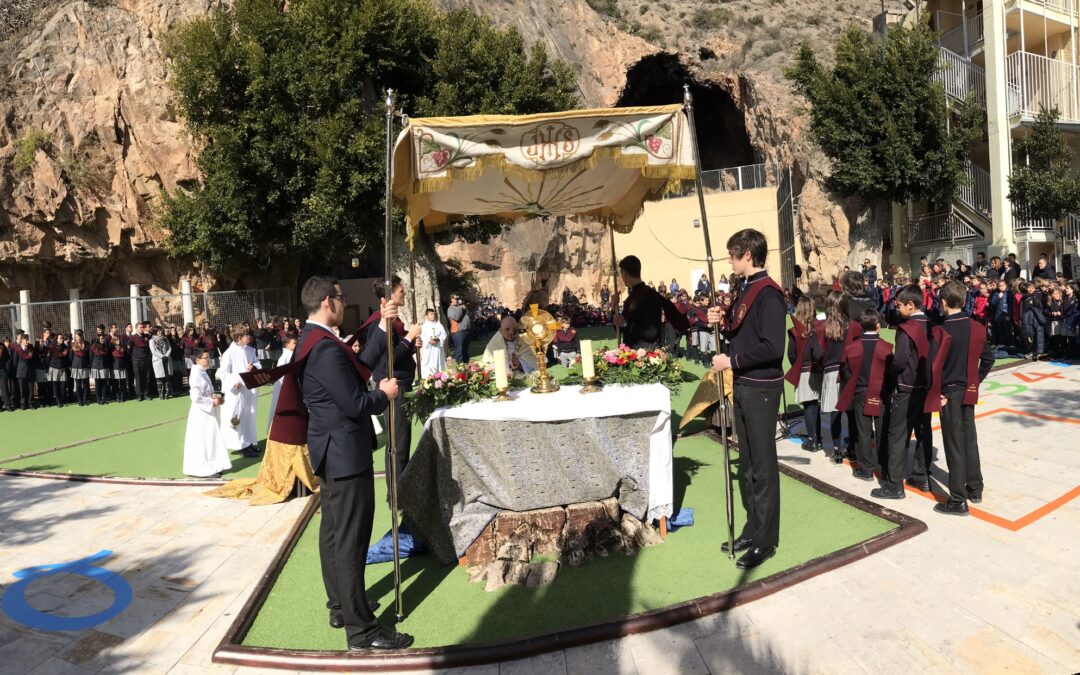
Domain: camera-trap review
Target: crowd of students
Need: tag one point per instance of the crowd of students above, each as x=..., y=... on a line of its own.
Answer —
x=141, y=363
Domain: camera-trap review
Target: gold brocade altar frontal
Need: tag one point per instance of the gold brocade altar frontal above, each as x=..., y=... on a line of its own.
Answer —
x=598, y=163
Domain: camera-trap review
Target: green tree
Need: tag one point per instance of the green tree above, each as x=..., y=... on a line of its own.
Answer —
x=1042, y=183
x=288, y=111
x=882, y=117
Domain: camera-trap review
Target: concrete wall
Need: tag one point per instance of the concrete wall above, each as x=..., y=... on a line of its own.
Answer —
x=670, y=246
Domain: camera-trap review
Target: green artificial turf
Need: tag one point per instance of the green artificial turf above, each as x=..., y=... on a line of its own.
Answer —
x=443, y=608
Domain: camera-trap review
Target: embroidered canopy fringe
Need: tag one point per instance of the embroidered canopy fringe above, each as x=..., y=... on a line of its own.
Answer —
x=602, y=164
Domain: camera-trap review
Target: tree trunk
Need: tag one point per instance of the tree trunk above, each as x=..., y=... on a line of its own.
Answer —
x=423, y=280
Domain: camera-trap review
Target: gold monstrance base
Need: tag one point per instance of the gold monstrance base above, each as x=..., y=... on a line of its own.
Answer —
x=547, y=383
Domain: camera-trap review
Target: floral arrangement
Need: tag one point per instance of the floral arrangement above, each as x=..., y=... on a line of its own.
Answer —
x=637, y=366
x=458, y=384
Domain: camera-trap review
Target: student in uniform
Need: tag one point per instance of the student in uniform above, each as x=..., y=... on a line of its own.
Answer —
x=804, y=354
x=101, y=367
x=119, y=370
x=177, y=355
x=833, y=336
x=910, y=370
x=6, y=363
x=80, y=370
x=862, y=377
x=139, y=353
x=58, y=364
x=966, y=364
x=755, y=327
x=24, y=370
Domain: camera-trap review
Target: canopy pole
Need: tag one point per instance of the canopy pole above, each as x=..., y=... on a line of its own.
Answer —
x=688, y=108
x=391, y=443
x=412, y=297
x=614, y=288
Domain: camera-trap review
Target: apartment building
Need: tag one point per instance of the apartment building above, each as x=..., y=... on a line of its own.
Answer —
x=1014, y=57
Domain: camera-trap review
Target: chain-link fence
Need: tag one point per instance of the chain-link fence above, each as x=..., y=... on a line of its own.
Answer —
x=220, y=309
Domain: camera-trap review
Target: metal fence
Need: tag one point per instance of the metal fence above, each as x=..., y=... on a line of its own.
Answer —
x=749, y=177
x=220, y=309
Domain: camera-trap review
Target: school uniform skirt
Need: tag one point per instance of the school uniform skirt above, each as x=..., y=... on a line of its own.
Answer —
x=178, y=365
x=101, y=373
x=262, y=354
x=119, y=373
x=1053, y=328
x=809, y=388
x=57, y=375
x=41, y=375
x=830, y=390
x=80, y=373
x=213, y=363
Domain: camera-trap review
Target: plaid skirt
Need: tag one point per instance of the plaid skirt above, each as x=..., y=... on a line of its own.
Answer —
x=809, y=388
x=119, y=373
x=101, y=373
x=80, y=373
x=830, y=391
x=57, y=375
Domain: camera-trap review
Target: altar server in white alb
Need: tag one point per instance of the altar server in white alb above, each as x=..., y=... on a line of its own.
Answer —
x=433, y=335
x=288, y=345
x=239, y=425
x=205, y=454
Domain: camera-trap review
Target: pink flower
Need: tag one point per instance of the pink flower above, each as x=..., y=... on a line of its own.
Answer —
x=438, y=384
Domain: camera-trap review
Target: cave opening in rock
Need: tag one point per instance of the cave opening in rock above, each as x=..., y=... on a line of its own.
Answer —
x=658, y=80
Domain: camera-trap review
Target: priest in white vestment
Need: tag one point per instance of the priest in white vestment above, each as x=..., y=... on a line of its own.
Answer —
x=520, y=358
x=239, y=425
x=433, y=354
x=288, y=345
x=205, y=454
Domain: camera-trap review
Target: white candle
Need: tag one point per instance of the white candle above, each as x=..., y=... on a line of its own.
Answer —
x=501, y=381
x=587, y=366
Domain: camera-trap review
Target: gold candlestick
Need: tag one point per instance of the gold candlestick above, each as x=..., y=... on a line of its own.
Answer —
x=502, y=395
x=592, y=385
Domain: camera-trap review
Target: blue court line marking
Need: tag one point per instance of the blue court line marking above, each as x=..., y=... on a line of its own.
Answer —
x=18, y=608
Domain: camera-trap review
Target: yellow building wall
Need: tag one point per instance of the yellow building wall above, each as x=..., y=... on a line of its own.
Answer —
x=671, y=247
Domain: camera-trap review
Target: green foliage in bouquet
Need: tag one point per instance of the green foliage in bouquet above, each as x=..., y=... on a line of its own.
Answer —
x=634, y=366
x=463, y=383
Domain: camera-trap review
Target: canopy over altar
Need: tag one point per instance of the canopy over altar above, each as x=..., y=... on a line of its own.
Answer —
x=599, y=163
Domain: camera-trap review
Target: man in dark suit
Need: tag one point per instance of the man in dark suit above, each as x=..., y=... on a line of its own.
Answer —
x=340, y=442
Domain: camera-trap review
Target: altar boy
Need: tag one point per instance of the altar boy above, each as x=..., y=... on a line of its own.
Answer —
x=966, y=365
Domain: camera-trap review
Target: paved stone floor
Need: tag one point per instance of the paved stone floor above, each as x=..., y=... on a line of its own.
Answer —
x=996, y=592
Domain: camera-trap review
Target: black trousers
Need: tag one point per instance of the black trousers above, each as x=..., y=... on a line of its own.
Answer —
x=905, y=415
x=755, y=412
x=348, y=511
x=5, y=392
x=961, y=447
x=402, y=431
x=141, y=373
x=865, y=427
x=25, y=391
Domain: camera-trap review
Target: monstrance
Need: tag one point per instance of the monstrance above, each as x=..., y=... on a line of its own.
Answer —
x=540, y=327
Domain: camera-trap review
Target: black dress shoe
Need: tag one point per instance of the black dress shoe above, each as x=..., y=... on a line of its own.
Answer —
x=837, y=457
x=952, y=508
x=384, y=640
x=808, y=445
x=741, y=544
x=885, y=493
x=755, y=557
x=863, y=475
x=338, y=621
x=975, y=497
x=919, y=485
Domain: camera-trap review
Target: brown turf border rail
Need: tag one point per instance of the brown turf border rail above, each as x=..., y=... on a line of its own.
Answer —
x=231, y=651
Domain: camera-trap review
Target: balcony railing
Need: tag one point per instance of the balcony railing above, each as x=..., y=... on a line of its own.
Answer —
x=1036, y=82
x=961, y=77
x=955, y=29
x=975, y=194
x=942, y=226
x=1063, y=6
x=1071, y=231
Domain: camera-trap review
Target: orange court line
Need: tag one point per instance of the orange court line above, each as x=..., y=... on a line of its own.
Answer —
x=986, y=516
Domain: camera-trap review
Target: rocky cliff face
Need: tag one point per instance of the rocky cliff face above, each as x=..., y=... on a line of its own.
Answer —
x=88, y=133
